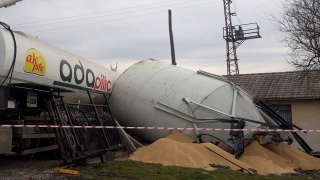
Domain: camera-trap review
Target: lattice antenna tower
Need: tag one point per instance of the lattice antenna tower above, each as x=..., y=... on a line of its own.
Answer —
x=235, y=36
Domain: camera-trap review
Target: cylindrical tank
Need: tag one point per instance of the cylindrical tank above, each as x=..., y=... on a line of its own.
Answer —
x=150, y=93
x=40, y=63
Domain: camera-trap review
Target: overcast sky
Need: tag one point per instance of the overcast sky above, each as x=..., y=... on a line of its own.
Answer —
x=127, y=31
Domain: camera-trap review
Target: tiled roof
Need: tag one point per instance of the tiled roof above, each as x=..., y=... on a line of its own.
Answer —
x=281, y=85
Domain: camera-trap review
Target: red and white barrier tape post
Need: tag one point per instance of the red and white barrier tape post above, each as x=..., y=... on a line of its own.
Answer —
x=154, y=128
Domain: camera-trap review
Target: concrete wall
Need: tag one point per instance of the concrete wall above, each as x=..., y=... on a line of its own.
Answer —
x=306, y=115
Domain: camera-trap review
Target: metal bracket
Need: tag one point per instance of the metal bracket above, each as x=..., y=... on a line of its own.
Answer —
x=240, y=137
x=187, y=101
x=239, y=143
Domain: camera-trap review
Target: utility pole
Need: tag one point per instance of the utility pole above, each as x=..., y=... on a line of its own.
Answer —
x=235, y=37
x=232, y=61
x=173, y=56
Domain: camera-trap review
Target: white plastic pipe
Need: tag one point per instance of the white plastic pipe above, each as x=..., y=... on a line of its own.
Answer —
x=7, y=3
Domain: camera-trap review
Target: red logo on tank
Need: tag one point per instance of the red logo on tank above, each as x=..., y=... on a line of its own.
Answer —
x=101, y=83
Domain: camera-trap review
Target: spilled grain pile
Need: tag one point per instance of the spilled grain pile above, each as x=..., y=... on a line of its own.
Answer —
x=265, y=160
x=179, y=137
x=295, y=156
x=169, y=152
x=278, y=159
x=178, y=150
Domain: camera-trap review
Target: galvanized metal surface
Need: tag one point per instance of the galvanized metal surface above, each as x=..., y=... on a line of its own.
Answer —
x=150, y=93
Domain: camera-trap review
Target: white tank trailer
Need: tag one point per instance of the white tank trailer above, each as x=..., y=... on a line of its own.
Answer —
x=39, y=69
x=155, y=94
x=39, y=63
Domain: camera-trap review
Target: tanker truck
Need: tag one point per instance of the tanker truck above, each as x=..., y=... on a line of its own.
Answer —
x=31, y=71
x=155, y=94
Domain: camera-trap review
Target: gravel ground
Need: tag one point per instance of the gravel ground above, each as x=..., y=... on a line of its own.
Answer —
x=40, y=166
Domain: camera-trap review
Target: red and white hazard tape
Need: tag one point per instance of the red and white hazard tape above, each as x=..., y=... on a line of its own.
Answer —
x=154, y=128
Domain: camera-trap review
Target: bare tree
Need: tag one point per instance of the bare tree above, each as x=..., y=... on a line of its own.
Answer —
x=300, y=23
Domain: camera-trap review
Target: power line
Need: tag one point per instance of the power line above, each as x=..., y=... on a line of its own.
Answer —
x=98, y=22
x=92, y=13
x=95, y=13
x=103, y=15
x=235, y=10
x=122, y=18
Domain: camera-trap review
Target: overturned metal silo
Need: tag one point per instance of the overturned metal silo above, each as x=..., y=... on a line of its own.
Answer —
x=155, y=94
x=151, y=93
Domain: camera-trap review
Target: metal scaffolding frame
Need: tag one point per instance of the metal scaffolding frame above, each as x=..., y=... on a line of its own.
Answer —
x=79, y=144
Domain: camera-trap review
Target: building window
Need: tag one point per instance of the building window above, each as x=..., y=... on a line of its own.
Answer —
x=284, y=111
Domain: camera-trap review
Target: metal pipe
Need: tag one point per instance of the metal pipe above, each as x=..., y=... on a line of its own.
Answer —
x=189, y=101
